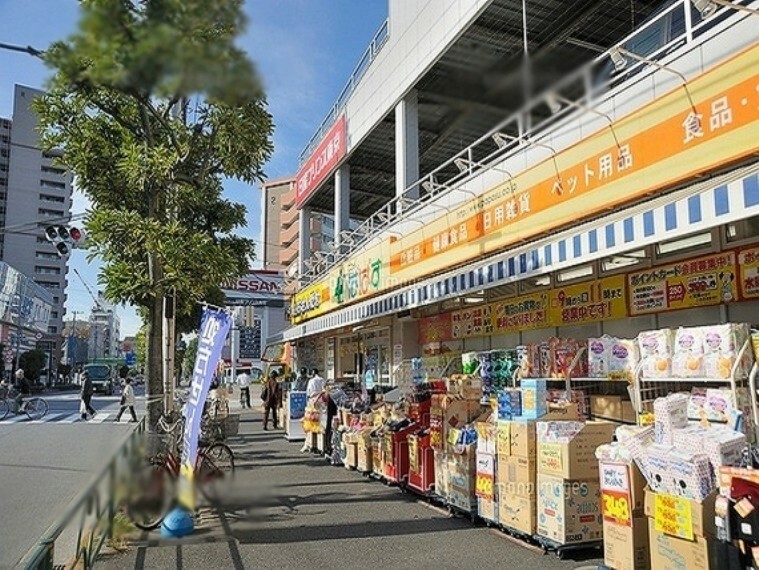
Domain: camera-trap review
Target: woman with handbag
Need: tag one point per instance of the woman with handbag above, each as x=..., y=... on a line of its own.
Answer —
x=127, y=400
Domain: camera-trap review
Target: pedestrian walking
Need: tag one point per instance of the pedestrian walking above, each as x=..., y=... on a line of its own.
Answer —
x=85, y=407
x=127, y=400
x=272, y=398
x=243, y=381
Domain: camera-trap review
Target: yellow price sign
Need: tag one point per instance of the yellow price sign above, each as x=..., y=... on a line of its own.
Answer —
x=616, y=507
x=672, y=515
x=484, y=486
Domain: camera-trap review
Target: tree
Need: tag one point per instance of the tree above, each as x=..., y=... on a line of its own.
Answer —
x=188, y=361
x=32, y=362
x=153, y=105
x=139, y=346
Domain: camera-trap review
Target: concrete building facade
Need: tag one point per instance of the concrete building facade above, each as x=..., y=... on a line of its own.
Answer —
x=34, y=193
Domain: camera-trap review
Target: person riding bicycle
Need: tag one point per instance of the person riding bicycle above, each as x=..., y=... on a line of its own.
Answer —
x=22, y=389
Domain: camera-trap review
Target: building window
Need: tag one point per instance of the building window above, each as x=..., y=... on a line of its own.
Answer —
x=54, y=314
x=53, y=184
x=49, y=198
x=743, y=229
x=42, y=270
x=56, y=300
x=53, y=170
x=49, y=284
x=45, y=255
x=46, y=212
x=52, y=330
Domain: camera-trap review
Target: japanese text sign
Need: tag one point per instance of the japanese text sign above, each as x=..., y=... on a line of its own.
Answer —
x=673, y=516
x=748, y=262
x=318, y=166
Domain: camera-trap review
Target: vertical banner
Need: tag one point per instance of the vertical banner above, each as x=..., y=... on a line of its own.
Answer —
x=214, y=327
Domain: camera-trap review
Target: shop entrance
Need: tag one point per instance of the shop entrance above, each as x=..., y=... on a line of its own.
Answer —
x=377, y=355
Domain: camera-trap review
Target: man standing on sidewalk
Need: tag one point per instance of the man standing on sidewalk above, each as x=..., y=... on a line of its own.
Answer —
x=272, y=398
x=243, y=380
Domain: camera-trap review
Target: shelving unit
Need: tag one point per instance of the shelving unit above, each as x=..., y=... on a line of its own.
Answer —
x=645, y=390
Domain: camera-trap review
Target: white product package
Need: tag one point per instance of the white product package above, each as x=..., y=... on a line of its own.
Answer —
x=688, y=357
x=656, y=353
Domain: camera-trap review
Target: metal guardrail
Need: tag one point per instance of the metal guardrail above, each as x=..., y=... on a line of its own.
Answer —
x=509, y=137
x=358, y=72
x=94, y=509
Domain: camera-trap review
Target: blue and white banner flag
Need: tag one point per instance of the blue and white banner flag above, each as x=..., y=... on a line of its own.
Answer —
x=214, y=327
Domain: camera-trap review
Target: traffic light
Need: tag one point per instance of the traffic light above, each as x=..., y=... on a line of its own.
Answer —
x=64, y=238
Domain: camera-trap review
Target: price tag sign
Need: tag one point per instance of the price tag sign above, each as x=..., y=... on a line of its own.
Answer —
x=672, y=515
x=616, y=507
x=484, y=486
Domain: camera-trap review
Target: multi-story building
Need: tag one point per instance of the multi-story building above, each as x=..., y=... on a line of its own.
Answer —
x=525, y=172
x=76, y=342
x=105, y=330
x=34, y=193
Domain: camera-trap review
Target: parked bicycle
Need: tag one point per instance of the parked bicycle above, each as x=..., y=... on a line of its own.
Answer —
x=153, y=488
x=34, y=408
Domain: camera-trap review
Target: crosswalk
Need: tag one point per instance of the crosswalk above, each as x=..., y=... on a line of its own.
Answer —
x=66, y=418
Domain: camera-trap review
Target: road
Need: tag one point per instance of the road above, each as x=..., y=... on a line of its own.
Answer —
x=43, y=466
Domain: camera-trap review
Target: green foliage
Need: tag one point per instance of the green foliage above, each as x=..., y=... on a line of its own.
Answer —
x=64, y=369
x=188, y=362
x=139, y=346
x=153, y=106
x=32, y=362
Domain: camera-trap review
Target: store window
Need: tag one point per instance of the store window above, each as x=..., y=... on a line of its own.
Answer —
x=685, y=246
x=743, y=230
x=624, y=261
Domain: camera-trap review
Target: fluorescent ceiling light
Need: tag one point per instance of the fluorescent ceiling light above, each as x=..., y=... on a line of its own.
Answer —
x=689, y=242
x=575, y=273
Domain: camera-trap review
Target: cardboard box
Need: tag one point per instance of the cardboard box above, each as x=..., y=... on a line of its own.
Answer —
x=628, y=412
x=681, y=517
x=467, y=387
x=569, y=512
x=487, y=437
x=517, y=475
x=486, y=475
x=503, y=438
x=626, y=547
x=364, y=458
x=462, y=470
x=534, y=398
x=351, y=455
x=523, y=439
x=575, y=459
x=606, y=407
x=670, y=553
x=623, y=482
x=448, y=412
x=565, y=411
x=516, y=512
x=441, y=473
x=488, y=509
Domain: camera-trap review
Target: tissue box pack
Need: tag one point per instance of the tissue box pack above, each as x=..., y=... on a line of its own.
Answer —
x=723, y=447
x=623, y=359
x=670, y=413
x=558, y=431
x=637, y=439
x=656, y=352
x=658, y=473
x=692, y=475
x=534, y=398
x=528, y=361
x=599, y=350
x=721, y=346
x=688, y=357
x=509, y=403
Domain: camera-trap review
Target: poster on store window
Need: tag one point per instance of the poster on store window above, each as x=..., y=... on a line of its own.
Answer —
x=472, y=321
x=591, y=302
x=748, y=262
x=708, y=280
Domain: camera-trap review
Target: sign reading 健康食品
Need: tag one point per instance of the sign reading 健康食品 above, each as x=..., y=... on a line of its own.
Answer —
x=664, y=143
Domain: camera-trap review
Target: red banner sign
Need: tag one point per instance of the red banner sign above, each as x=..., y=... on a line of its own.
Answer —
x=318, y=166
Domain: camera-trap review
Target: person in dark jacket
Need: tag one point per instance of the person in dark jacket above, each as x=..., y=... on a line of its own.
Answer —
x=86, y=396
x=272, y=398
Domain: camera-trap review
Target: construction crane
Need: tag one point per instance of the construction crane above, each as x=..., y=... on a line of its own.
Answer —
x=94, y=298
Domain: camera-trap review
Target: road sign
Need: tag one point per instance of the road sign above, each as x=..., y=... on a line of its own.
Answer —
x=130, y=358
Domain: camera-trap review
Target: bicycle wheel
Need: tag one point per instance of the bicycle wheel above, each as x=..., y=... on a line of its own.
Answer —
x=36, y=408
x=4, y=409
x=214, y=473
x=150, y=496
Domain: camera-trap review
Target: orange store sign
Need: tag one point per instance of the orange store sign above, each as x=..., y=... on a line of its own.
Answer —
x=661, y=144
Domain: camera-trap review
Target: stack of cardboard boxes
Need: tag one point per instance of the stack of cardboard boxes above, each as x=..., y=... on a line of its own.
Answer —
x=568, y=497
x=486, y=471
x=517, y=472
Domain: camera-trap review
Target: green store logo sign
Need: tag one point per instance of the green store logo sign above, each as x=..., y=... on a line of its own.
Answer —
x=356, y=282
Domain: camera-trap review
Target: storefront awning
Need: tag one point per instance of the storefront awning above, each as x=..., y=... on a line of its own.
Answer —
x=704, y=205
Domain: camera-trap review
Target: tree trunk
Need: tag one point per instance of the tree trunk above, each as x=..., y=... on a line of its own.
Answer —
x=154, y=349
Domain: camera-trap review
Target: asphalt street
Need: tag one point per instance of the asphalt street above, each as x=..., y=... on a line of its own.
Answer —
x=43, y=466
x=292, y=511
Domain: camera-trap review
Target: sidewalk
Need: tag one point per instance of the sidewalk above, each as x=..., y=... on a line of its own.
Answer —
x=295, y=511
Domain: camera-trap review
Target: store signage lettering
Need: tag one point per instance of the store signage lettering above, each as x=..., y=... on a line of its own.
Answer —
x=435, y=329
x=589, y=302
x=330, y=151
x=748, y=262
x=356, y=282
x=661, y=144
x=305, y=304
x=698, y=282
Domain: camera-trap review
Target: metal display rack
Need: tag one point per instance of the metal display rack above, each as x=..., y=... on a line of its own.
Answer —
x=645, y=390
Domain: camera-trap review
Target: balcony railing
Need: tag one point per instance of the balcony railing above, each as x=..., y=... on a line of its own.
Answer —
x=510, y=137
x=379, y=40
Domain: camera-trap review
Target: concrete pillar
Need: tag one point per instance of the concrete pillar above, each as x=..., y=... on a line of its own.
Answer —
x=304, y=238
x=407, y=146
x=342, y=203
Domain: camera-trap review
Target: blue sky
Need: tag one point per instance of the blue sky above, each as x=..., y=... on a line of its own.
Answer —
x=304, y=51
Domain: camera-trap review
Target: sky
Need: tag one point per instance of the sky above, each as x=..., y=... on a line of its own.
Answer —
x=304, y=51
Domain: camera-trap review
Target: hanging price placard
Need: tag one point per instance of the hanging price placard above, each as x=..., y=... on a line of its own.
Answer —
x=616, y=507
x=484, y=486
x=672, y=515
